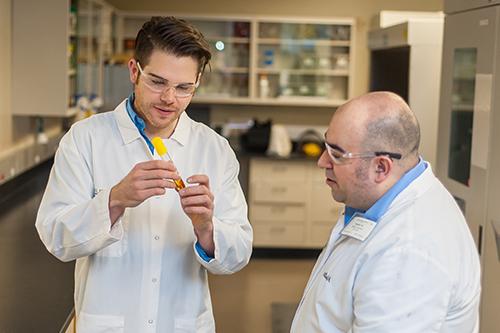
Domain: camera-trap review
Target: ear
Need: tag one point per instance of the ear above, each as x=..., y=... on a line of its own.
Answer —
x=133, y=71
x=383, y=166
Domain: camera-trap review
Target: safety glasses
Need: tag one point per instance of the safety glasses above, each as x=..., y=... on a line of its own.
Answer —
x=161, y=85
x=340, y=156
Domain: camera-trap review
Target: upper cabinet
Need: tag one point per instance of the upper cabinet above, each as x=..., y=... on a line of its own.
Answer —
x=229, y=74
x=268, y=61
x=43, y=57
x=51, y=54
x=299, y=61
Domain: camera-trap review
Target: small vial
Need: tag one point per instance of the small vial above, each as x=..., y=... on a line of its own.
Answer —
x=163, y=153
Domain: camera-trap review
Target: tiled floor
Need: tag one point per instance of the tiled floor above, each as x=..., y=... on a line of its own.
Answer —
x=242, y=301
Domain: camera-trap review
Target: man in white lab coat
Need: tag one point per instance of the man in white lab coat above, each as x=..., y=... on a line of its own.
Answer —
x=401, y=258
x=142, y=250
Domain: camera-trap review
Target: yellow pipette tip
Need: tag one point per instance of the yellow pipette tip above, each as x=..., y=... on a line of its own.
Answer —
x=159, y=146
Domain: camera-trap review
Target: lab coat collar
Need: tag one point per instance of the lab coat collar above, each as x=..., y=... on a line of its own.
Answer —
x=415, y=189
x=182, y=130
x=382, y=204
x=130, y=132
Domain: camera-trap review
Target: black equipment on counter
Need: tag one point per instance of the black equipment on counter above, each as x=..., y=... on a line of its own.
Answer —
x=256, y=139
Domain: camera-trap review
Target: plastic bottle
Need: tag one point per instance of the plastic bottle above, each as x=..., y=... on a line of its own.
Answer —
x=264, y=86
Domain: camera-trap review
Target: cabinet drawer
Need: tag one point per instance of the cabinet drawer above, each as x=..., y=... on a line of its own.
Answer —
x=318, y=175
x=267, y=235
x=320, y=234
x=262, y=213
x=323, y=206
x=284, y=170
x=326, y=212
x=272, y=191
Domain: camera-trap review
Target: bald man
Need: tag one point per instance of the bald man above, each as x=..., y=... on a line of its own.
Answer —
x=401, y=258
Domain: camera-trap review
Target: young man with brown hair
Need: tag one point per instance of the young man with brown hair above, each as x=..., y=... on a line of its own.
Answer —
x=142, y=250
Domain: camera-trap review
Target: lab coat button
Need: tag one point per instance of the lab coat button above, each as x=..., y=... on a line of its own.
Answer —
x=154, y=280
x=150, y=321
x=157, y=237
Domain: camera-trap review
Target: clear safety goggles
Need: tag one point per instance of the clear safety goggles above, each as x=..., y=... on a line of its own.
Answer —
x=342, y=157
x=160, y=85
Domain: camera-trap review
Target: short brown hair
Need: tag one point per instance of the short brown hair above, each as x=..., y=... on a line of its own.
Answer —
x=171, y=35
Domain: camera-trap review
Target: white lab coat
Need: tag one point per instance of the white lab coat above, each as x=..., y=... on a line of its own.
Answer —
x=418, y=271
x=143, y=274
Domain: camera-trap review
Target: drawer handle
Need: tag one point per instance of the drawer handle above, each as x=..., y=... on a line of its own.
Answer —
x=277, y=209
x=279, y=168
x=278, y=189
x=277, y=229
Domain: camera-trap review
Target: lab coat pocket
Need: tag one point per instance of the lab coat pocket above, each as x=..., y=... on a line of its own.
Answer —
x=92, y=323
x=118, y=248
x=203, y=324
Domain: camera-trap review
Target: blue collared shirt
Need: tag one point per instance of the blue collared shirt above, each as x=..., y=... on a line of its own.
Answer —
x=141, y=126
x=380, y=207
x=138, y=121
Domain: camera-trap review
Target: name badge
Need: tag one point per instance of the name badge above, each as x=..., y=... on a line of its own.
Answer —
x=359, y=228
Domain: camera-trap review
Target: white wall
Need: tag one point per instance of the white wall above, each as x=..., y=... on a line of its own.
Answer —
x=5, y=57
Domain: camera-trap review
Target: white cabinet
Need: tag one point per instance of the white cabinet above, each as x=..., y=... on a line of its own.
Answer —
x=290, y=205
x=469, y=119
x=303, y=61
x=46, y=41
x=41, y=74
x=266, y=61
x=406, y=59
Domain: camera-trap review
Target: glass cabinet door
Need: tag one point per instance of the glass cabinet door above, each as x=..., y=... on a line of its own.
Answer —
x=228, y=75
x=87, y=55
x=268, y=61
x=72, y=52
x=303, y=60
x=462, y=107
x=92, y=49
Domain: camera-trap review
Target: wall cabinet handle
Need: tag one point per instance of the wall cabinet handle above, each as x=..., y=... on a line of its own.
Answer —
x=480, y=239
x=280, y=189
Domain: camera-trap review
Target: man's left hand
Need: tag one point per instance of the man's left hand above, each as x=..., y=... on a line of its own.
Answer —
x=198, y=203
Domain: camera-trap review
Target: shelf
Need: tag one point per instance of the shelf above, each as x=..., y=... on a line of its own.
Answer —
x=282, y=100
x=233, y=40
x=293, y=52
x=230, y=70
x=71, y=112
x=317, y=42
x=316, y=72
x=462, y=107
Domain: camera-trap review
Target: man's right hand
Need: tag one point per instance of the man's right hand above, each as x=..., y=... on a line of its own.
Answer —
x=145, y=180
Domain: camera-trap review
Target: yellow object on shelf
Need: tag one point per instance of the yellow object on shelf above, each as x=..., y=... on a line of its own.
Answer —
x=311, y=149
